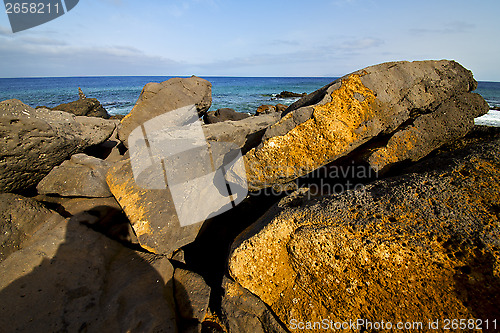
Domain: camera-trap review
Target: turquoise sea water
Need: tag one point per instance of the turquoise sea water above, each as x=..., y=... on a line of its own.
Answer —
x=118, y=94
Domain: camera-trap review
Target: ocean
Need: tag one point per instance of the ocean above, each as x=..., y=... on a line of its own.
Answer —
x=118, y=94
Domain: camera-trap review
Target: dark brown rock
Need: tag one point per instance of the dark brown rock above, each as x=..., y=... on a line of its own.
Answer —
x=281, y=108
x=20, y=218
x=265, y=109
x=81, y=95
x=81, y=176
x=89, y=107
x=33, y=141
x=72, y=278
x=244, y=312
x=192, y=294
x=289, y=94
x=224, y=114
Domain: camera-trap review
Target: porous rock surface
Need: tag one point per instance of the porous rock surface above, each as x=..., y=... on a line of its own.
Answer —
x=416, y=246
x=33, y=141
x=403, y=110
x=151, y=212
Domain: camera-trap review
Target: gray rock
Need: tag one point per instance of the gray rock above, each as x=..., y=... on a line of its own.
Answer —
x=159, y=98
x=244, y=312
x=33, y=141
x=246, y=133
x=81, y=176
x=151, y=212
x=414, y=246
x=89, y=107
x=192, y=294
x=20, y=218
x=71, y=278
x=385, y=114
x=224, y=114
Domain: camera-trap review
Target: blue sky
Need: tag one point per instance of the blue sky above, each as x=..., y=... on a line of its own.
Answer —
x=253, y=38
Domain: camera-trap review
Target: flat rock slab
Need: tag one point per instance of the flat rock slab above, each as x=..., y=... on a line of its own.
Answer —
x=33, y=141
x=408, y=248
x=390, y=113
x=159, y=98
x=151, y=212
x=81, y=176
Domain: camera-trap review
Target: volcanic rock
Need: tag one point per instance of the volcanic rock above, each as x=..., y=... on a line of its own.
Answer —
x=224, y=114
x=72, y=278
x=89, y=107
x=33, y=141
x=81, y=176
x=20, y=218
x=159, y=98
x=390, y=113
x=289, y=94
x=416, y=246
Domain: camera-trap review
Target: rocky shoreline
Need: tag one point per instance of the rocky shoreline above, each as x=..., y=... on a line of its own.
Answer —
x=373, y=198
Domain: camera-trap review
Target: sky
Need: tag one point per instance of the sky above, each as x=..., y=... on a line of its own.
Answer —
x=252, y=38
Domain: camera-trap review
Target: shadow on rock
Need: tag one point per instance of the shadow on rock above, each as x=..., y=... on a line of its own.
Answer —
x=79, y=280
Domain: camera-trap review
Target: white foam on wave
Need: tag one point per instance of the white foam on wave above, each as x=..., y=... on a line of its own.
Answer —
x=492, y=118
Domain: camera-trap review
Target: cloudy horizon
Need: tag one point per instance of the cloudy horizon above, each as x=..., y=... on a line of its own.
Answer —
x=278, y=38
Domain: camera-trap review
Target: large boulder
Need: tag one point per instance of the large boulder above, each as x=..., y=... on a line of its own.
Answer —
x=246, y=133
x=151, y=212
x=20, y=218
x=388, y=113
x=89, y=107
x=70, y=278
x=81, y=176
x=33, y=141
x=159, y=98
x=224, y=114
x=404, y=249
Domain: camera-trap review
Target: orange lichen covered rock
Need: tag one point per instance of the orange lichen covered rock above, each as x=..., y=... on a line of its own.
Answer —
x=417, y=247
x=151, y=212
x=404, y=110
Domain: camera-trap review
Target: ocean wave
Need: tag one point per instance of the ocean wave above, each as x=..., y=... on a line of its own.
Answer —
x=492, y=118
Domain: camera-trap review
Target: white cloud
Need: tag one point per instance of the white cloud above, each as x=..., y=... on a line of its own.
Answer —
x=361, y=44
x=455, y=27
